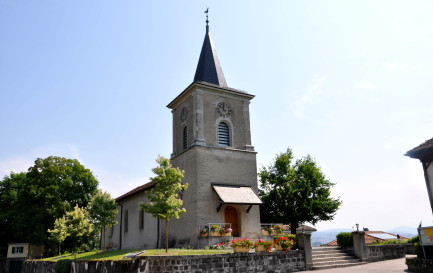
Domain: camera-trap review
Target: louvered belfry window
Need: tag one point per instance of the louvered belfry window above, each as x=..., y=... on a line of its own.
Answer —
x=223, y=134
x=185, y=138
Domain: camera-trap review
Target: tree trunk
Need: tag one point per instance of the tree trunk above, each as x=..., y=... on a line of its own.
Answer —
x=166, y=235
x=104, y=237
x=293, y=227
x=59, y=250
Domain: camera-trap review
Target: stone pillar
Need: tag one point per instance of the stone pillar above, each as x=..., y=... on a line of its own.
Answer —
x=359, y=245
x=304, y=243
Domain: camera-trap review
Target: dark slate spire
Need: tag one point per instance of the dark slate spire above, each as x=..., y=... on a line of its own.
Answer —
x=209, y=68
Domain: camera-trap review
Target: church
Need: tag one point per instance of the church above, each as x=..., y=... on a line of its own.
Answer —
x=212, y=144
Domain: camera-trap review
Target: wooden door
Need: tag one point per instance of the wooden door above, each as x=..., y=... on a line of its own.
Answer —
x=231, y=216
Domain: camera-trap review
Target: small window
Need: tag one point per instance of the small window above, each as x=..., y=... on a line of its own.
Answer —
x=141, y=218
x=126, y=220
x=185, y=138
x=223, y=134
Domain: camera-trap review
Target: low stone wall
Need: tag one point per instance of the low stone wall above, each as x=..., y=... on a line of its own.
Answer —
x=419, y=265
x=279, y=262
x=376, y=253
x=38, y=267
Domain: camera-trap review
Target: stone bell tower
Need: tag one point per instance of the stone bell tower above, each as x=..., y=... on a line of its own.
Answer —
x=212, y=144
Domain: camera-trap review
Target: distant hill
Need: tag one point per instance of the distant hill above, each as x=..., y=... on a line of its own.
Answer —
x=326, y=236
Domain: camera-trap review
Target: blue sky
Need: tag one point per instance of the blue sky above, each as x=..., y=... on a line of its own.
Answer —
x=348, y=82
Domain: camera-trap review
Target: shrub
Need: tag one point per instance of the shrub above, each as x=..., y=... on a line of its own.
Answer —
x=389, y=242
x=63, y=266
x=344, y=239
x=413, y=239
x=418, y=250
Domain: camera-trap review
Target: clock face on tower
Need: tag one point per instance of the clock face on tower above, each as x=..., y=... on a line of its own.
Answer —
x=224, y=109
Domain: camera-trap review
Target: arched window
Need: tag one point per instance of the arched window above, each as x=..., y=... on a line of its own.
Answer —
x=185, y=138
x=223, y=134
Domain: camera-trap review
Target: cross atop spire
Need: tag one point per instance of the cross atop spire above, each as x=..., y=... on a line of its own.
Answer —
x=207, y=19
x=208, y=67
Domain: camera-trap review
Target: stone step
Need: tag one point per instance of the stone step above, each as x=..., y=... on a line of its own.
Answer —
x=334, y=250
x=338, y=261
x=333, y=258
x=328, y=254
x=336, y=265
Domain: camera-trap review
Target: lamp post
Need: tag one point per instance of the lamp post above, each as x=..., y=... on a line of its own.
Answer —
x=357, y=227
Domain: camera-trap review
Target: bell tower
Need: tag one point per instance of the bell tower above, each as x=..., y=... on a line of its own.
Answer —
x=212, y=144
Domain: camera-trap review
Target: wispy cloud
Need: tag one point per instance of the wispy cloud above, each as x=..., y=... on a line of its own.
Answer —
x=15, y=164
x=394, y=66
x=312, y=90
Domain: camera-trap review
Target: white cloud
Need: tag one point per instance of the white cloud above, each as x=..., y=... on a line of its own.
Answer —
x=394, y=66
x=312, y=91
x=15, y=164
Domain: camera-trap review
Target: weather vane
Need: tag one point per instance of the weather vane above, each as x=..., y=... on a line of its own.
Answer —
x=207, y=13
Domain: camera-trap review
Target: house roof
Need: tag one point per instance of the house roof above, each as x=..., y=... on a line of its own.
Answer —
x=208, y=67
x=421, y=150
x=135, y=191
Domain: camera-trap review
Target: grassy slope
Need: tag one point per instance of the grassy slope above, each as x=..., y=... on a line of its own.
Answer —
x=118, y=254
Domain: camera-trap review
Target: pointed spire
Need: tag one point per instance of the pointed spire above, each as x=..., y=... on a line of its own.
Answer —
x=209, y=68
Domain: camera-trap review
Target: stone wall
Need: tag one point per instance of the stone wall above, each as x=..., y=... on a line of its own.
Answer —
x=279, y=262
x=38, y=267
x=419, y=265
x=376, y=253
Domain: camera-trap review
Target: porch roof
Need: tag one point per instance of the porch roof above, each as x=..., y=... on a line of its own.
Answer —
x=242, y=195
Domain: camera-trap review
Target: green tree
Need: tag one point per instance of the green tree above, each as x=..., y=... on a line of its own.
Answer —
x=295, y=192
x=103, y=209
x=164, y=202
x=10, y=188
x=78, y=226
x=30, y=202
x=59, y=233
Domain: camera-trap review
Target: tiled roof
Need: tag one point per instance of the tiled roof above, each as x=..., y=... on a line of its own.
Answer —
x=208, y=67
x=421, y=150
x=135, y=191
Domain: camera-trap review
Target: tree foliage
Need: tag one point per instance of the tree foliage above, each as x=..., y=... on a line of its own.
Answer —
x=59, y=233
x=295, y=192
x=30, y=202
x=78, y=226
x=103, y=210
x=164, y=202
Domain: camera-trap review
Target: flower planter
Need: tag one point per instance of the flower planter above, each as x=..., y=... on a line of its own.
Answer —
x=228, y=234
x=276, y=233
x=241, y=249
x=265, y=233
x=204, y=234
x=260, y=249
x=279, y=248
x=214, y=233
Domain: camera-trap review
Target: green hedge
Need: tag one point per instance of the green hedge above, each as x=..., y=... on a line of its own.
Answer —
x=344, y=239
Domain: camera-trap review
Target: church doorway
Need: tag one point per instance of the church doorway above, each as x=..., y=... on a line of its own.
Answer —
x=231, y=216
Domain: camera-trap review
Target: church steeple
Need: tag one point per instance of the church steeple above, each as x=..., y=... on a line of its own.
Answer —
x=209, y=68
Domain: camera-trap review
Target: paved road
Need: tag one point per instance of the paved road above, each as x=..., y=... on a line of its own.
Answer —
x=390, y=266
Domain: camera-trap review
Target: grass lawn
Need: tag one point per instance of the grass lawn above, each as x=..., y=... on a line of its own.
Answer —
x=118, y=254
